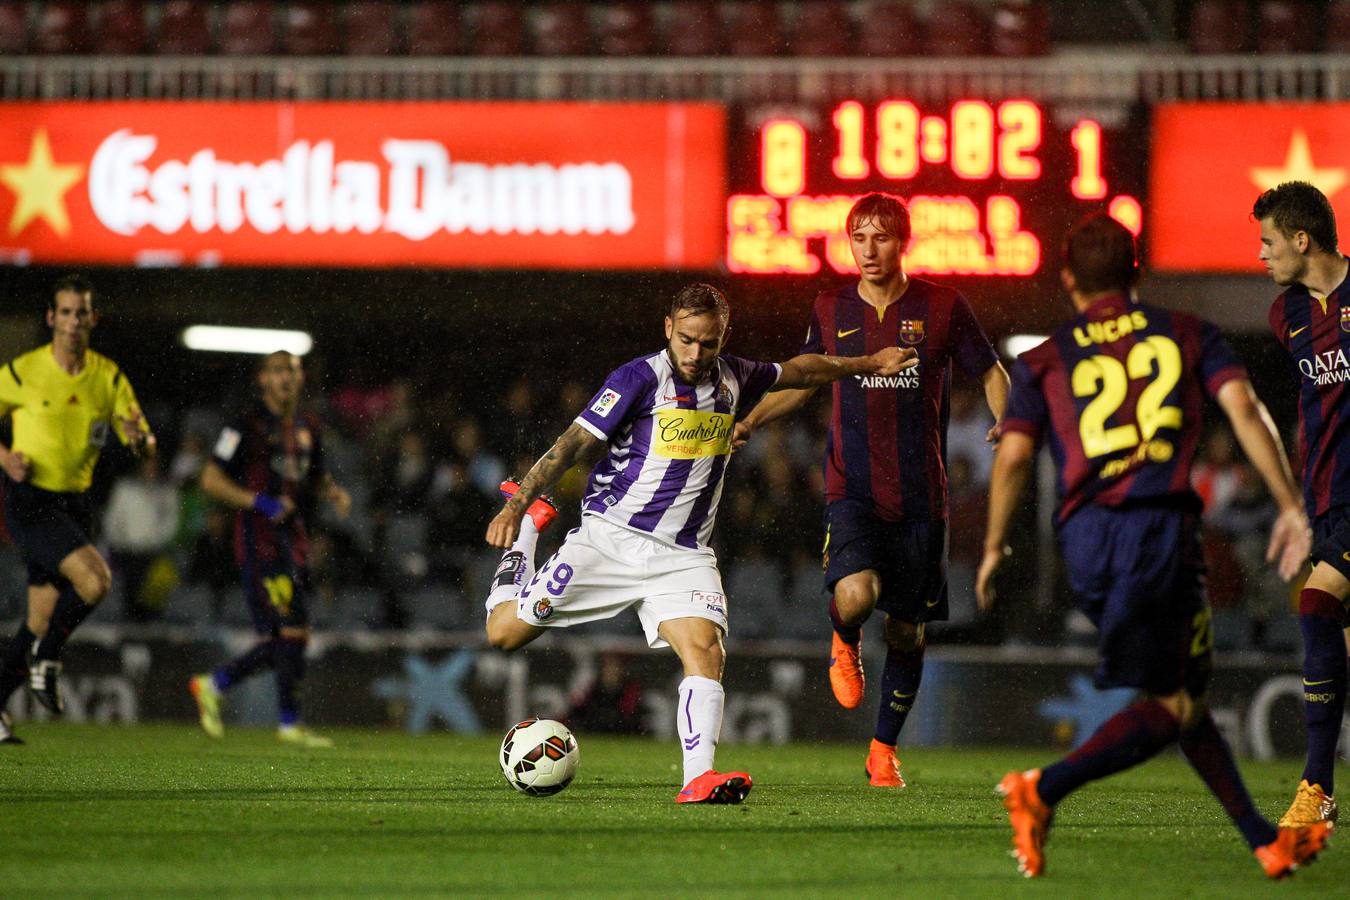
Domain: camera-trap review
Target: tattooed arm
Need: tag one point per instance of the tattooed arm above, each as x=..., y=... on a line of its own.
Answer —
x=575, y=445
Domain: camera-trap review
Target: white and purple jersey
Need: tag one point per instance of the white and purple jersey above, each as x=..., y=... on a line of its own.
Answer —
x=668, y=443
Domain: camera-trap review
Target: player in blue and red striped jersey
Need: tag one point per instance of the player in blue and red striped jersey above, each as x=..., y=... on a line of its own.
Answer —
x=885, y=464
x=1117, y=393
x=268, y=465
x=1311, y=321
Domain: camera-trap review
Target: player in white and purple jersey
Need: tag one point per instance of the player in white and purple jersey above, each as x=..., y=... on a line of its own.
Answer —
x=659, y=435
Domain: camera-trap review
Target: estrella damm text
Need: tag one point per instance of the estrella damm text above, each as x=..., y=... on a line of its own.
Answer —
x=1156, y=450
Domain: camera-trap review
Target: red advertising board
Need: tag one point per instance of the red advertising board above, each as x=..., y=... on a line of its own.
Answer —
x=455, y=185
x=1209, y=163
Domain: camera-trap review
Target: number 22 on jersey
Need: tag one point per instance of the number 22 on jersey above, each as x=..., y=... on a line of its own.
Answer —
x=1106, y=380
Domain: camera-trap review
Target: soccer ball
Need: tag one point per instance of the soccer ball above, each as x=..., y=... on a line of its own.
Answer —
x=539, y=757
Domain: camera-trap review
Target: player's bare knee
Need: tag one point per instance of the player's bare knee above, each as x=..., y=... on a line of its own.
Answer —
x=93, y=584
x=856, y=596
x=902, y=636
x=1183, y=707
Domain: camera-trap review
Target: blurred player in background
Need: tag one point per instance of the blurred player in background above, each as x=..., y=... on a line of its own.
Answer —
x=885, y=464
x=1311, y=321
x=660, y=429
x=268, y=465
x=65, y=400
x=1118, y=392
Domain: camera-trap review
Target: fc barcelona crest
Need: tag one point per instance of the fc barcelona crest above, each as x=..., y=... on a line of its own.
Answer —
x=1345, y=318
x=911, y=331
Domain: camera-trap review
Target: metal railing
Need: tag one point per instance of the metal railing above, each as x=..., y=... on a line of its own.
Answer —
x=1082, y=76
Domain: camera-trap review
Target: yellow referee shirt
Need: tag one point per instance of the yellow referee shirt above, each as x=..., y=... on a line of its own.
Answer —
x=62, y=421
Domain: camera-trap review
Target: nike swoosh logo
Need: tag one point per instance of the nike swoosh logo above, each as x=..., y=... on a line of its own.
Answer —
x=1345, y=556
x=933, y=603
x=1295, y=332
x=1308, y=683
x=844, y=334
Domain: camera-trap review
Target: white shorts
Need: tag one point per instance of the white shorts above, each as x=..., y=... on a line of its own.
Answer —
x=602, y=569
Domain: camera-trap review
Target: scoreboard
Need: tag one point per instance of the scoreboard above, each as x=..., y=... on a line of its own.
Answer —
x=991, y=184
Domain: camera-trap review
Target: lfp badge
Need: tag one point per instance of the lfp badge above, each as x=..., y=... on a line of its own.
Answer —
x=911, y=330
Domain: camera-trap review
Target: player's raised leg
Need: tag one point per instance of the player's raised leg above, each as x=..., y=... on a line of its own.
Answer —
x=1321, y=607
x=14, y=662
x=505, y=630
x=900, y=679
x=698, y=643
x=855, y=596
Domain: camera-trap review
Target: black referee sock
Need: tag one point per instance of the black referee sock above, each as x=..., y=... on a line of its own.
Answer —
x=14, y=665
x=70, y=611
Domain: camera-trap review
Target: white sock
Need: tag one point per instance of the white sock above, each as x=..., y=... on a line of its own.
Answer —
x=699, y=720
x=516, y=568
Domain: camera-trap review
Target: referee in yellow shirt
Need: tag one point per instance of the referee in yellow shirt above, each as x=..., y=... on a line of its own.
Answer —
x=65, y=400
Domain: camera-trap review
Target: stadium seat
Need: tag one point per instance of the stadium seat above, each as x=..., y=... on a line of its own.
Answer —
x=1217, y=26
x=560, y=29
x=693, y=28
x=625, y=29
x=13, y=27
x=311, y=29
x=183, y=29
x=435, y=29
x=247, y=28
x=1286, y=26
x=1337, y=28
x=1019, y=28
x=500, y=29
x=889, y=28
x=370, y=28
x=754, y=29
x=121, y=28
x=956, y=29
x=61, y=28
x=822, y=28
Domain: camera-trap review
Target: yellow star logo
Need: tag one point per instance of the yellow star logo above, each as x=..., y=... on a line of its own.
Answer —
x=1298, y=166
x=40, y=186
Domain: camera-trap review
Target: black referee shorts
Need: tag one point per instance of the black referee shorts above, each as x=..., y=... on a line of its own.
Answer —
x=47, y=526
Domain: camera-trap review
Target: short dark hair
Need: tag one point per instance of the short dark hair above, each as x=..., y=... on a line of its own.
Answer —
x=888, y=211
x=1100, y=253
x=699, y=298
x=1298, y=206
x=72, y=282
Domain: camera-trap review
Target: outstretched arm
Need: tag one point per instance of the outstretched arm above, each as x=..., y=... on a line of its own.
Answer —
x=574, y=445
x=1290, y=540
x=996, y=395
x=1012, y=464
x=810, y=370
x=218, y=485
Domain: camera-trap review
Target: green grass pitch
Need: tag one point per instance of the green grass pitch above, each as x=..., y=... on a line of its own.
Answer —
x=162, y=811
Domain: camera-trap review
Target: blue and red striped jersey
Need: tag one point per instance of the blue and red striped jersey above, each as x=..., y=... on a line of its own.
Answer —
x=1118, y=391
x=888, y=434
x=280, y=457
x=1316, y=334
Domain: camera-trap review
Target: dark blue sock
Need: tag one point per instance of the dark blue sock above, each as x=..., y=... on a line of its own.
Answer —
x=1324, y=682
x=1131, y=736
x=14, y=665
x=290, y=669
x=1209, y=755
x=850, y=634
x=259, y=656
x=899, y=687
x=70, y=611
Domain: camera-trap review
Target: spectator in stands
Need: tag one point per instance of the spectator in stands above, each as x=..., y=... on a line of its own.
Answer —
x=610, y=702
x=141, y=521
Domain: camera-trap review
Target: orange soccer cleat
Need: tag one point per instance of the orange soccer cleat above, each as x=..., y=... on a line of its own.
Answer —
x=883, y=768
x=846, y=671
x=1293, y=848
x=716, y=787
x=1030, y=820
x=542, y=511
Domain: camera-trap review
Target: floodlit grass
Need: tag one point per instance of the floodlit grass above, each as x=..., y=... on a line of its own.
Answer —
x=164, y=811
